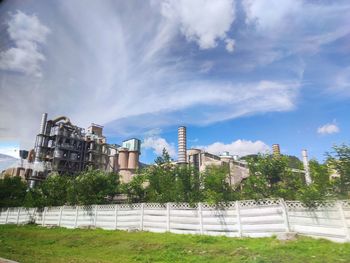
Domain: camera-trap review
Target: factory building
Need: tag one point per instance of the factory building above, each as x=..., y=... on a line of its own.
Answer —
x=65, y=148
x=200, y=159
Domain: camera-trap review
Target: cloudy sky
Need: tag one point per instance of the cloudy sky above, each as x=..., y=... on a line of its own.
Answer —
x=240, y=74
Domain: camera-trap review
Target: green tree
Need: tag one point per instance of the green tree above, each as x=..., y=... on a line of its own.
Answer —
x=54, y=189
x=136, y=189
x=216, y=188
x=12, y=191
x=339, y=160
x=271, y=177
x=167, y=182
x=93, y=187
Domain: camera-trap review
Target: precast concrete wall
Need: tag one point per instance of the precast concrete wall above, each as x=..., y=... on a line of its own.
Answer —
x=248, y=218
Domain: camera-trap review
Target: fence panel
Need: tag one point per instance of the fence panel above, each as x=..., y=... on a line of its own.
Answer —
x=241, y=218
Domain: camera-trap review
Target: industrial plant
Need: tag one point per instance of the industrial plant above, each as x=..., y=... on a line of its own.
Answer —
x=67, y=149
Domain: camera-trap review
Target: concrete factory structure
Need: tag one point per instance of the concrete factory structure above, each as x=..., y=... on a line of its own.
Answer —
x=200, y=159
x=238, y=169
x=65, y=148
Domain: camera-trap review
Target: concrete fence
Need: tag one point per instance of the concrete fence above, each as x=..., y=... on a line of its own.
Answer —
x=330, y=220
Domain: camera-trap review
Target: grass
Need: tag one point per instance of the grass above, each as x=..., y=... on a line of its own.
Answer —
x=36, y=244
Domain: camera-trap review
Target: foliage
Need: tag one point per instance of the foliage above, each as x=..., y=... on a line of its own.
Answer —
x=54, y=189
x=339, y=160
x=12, y=191
x=92, y=187
x=136, y=188
x=34, y=198
x=310, y=195
x=270, y=177
x=164, y=182
x=216, y=188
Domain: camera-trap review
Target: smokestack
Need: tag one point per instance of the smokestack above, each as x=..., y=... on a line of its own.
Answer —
x=43, y=123
x=276, y=150
x=40, y=142
x=182, y=158
x=306, y=167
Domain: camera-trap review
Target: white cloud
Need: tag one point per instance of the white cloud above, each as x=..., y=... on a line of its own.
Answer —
x=270, y=14
x=276, y=25
x=27, y=32
x=157, y=144
x=328, y=128
x=10, y=150
x=127, y=72
x=239, y=147
x=201, y=21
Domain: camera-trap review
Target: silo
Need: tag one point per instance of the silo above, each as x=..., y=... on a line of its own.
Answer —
x=123, y=156
x=182, y=158
x=276, y=150
x=113, y=161
x=308, y=179
x=133, y=162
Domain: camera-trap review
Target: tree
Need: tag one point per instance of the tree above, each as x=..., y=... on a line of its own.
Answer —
x=93, y=187
x=12, y=191
x=54, y=189
x=136, y=189
x=167, y=182
x=216, y=188
x=162, y=180
x=270, y=177
x=339, y=160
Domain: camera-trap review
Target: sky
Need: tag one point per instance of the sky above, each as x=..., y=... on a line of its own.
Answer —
x=241, y=75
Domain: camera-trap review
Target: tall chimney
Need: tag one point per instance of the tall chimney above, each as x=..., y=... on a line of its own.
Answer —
x=43, y=123
x=182, y=158
x=306, y=167
x=276, y=150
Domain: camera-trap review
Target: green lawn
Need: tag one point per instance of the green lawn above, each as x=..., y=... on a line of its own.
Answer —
x=37, y=244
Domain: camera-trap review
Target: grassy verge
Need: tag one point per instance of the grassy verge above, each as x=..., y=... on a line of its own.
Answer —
x=36, y=244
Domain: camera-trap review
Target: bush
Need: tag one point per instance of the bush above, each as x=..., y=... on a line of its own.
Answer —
x=12, y=191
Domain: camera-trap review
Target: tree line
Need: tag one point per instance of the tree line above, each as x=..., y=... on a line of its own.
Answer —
x=270, y=177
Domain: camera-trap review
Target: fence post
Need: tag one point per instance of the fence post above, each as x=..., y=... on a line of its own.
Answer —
x=60, y=216
x=167, y=216
x=343, y=218
x=95, y=216
x=76, y=216
x=200, y=215
x=239, y=227
x=44, y=215
x=7, y=215
x=285, y=214
x=34, y=214
x=18, y=212
x=116, y=216
x=141, y=218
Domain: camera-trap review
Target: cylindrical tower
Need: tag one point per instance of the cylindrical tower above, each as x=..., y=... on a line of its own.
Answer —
x=123, y=156
x=276, y=150
x=182, y=158
x=308, y=179
x=43, y=123
x=38, y=148
x=133, y=161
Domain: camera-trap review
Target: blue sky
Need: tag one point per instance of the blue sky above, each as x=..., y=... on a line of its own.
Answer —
x=240, y=74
